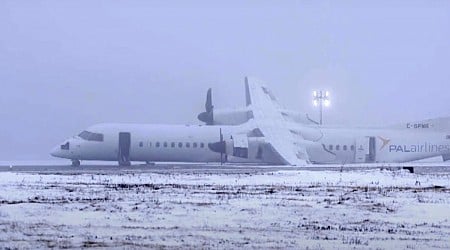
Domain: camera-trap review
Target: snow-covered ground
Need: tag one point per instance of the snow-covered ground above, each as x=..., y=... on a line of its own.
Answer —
x=285, y=209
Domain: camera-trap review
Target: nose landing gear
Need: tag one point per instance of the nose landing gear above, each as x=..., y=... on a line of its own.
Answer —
x=76, y=163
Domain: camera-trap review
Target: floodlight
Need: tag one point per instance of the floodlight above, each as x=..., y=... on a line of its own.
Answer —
x=321, y=98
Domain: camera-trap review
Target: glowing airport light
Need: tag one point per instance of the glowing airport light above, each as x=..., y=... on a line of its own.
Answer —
x=321, y=98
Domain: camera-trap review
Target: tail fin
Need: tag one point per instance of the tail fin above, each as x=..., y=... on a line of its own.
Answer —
x=441, y=124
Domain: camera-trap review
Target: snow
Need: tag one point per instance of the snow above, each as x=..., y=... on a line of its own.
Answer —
x=283, y=209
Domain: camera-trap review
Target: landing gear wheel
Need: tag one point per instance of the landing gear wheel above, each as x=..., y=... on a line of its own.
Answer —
x=124, y=163
x=76, y=163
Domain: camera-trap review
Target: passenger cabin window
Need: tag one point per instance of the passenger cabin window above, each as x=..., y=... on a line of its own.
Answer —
x=448, y=137
x=345, y=147
x=141, y=144
x=188, y=145
x=89, y=136
x=180, y=145
x=173, y=144
x=158, y=144
x=352, y=148
x=330, y=147
x=194, y=145
x=202, y=145
x=338, y=147
x=165, y=144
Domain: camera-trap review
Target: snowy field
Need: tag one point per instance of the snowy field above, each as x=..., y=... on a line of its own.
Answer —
x=286, y=209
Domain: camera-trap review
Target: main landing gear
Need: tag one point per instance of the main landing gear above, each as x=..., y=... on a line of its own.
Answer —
x=76, y=163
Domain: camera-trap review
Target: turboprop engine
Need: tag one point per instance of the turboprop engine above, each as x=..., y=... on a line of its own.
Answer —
x=238, y=116
x=253, y=148
x=245, y=148
x=212, y=116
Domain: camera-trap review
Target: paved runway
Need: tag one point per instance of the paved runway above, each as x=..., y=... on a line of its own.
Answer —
x=210, y=168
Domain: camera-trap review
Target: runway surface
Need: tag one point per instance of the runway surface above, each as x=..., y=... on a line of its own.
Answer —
x=213, y=168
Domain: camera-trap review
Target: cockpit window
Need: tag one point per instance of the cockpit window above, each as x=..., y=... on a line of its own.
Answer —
x=89, y=136
x=65, y=146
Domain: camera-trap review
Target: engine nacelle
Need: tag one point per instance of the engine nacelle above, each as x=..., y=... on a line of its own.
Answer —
x=231, y=116
x=226, y=116
x=212, y=116
x=241, y=148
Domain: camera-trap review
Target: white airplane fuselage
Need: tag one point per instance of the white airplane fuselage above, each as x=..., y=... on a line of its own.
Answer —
x=148, y=143
x=380, y=145
x=190, y=143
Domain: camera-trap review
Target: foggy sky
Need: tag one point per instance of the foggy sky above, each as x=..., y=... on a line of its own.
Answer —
x=65, y=65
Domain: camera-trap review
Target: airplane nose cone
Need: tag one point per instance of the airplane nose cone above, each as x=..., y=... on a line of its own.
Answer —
x=55, y=152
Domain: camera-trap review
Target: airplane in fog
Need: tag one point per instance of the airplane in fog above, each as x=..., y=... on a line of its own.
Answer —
x=260, y=133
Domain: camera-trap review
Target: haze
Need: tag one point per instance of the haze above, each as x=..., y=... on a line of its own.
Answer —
x=65, y=65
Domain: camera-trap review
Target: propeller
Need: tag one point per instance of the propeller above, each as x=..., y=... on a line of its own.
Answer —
x=219, y=147
x=223, y=145
x=208, y=116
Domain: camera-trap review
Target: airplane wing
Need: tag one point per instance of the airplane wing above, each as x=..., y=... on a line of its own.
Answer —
x=270, y=121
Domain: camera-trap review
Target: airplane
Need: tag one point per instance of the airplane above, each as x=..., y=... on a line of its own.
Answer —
x=264, y=135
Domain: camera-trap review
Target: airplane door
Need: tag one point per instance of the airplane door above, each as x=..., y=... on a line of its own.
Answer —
x=361, y=149
x=240, y=146
x=124, y=149
x=365, y=149
x=372, y=150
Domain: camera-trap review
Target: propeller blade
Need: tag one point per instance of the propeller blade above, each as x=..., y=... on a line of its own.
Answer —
x=208, y=116
x=209, y=105
x=221, y=142
x=248, y=98
x=219, y=147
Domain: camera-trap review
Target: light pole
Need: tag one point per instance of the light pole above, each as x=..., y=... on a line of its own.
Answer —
x=321, y=98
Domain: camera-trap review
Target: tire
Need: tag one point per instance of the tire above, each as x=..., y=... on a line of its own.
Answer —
x=76, y=163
